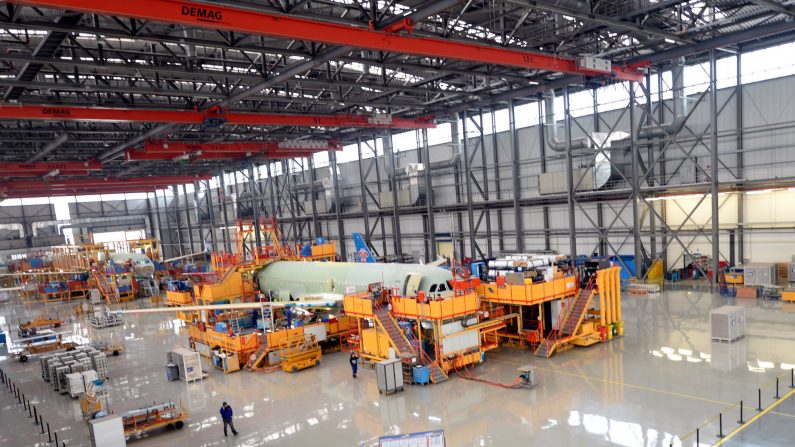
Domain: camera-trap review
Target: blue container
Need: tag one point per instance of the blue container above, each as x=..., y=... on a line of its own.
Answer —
x=220, y=326
x=421, y=374
x=306, y=250
x=36, y=263
x=172, y=372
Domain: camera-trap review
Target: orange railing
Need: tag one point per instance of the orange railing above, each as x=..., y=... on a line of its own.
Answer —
x=456, y=306
x=528, y=294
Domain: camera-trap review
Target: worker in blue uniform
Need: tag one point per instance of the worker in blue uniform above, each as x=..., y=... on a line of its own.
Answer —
x=226, y=415
x=354, y=363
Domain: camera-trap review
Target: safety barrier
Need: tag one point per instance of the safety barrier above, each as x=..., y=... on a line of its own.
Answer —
x=723, y=426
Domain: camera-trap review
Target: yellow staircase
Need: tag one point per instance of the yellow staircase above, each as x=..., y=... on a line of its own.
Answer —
x=570, y=322
x=405, y=351
x=110, y=293
x=396, y=337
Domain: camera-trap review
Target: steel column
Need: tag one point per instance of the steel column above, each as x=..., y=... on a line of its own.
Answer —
x=542, y=153
x=288, y=175
x=157, y=217
x=388, y=149
x=740, y=162
x=517, y=210
x=713, y=114
x=252, y=186
x=224, y=213
x=497, y=186
x=635, y=154
x=431, y=218
x=316, y=228
x=178, y=231
x=197, y=207
x=187, y=218
x=569, y=176
x=337, y=211
x=363, y=188
x=485, y=172
x=663, y=171
x=380, y=189
x=468, y=185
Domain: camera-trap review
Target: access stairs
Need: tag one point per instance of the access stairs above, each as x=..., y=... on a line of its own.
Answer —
x=569, y=323
x=402, y=345
x=396, y=336
x=110, y=293
x=257, y=361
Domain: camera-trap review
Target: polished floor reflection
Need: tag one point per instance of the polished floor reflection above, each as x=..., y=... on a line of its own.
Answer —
x=656, y=384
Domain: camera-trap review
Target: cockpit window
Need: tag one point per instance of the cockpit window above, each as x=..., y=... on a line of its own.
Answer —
x=433, y=288
x=441, y=288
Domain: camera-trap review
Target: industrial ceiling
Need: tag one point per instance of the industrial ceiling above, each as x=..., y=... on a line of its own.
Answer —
x=127, y=96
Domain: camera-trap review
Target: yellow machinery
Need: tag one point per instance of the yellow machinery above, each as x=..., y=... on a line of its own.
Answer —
x=734, y=275
x=40, y=323
x=450, y=328
x=582, y=324
x=788, y=295
x=153, y=417
x=302, y=352
x=273, y=342
x=325, y=251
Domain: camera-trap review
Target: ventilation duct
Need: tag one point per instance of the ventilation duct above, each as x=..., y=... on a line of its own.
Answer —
x=679, y=106
x=552, y=135
x=323, y=189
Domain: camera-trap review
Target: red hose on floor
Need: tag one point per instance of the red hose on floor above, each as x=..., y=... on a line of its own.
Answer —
x=468, y=376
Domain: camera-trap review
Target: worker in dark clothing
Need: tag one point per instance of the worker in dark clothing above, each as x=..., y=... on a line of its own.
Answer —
x=226, y=415
x=354, y=363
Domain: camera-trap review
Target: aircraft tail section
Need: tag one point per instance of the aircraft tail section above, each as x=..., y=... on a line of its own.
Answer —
x=363, y=253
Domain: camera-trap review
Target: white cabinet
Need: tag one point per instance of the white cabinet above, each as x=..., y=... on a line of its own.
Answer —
x=389, y=375
x=727, y=323
x=107, y=432
x=188, y=362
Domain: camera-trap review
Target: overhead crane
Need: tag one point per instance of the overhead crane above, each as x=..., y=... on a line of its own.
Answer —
x=180, y=150
x=219, y=17
x=91, y=185
x=213, y=117
x=49, y=169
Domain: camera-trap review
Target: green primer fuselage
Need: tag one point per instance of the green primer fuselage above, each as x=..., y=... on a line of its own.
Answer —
x=331, y=280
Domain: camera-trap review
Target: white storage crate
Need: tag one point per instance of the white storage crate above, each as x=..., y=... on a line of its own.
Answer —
x=727, y=323
x=389, y=375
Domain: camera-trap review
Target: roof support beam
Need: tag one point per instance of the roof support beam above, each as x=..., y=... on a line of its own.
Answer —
x=598, y=19
x=116, y=115
x=55, y=144
x=289, y=27
x=776, y=6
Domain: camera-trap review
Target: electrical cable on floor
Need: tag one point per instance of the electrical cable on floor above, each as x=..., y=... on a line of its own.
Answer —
x=516, y=384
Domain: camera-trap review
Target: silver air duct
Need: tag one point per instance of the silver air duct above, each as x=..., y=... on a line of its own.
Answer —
x=552, y=129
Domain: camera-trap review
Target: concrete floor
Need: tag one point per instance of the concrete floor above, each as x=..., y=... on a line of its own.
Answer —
x=649, y=388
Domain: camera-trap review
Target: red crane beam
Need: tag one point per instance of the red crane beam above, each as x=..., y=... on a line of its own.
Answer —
x=99, y=183
x=178, y=150
x=217, y=116
x=43, y=168
x=214, y=16
x=44, y=192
